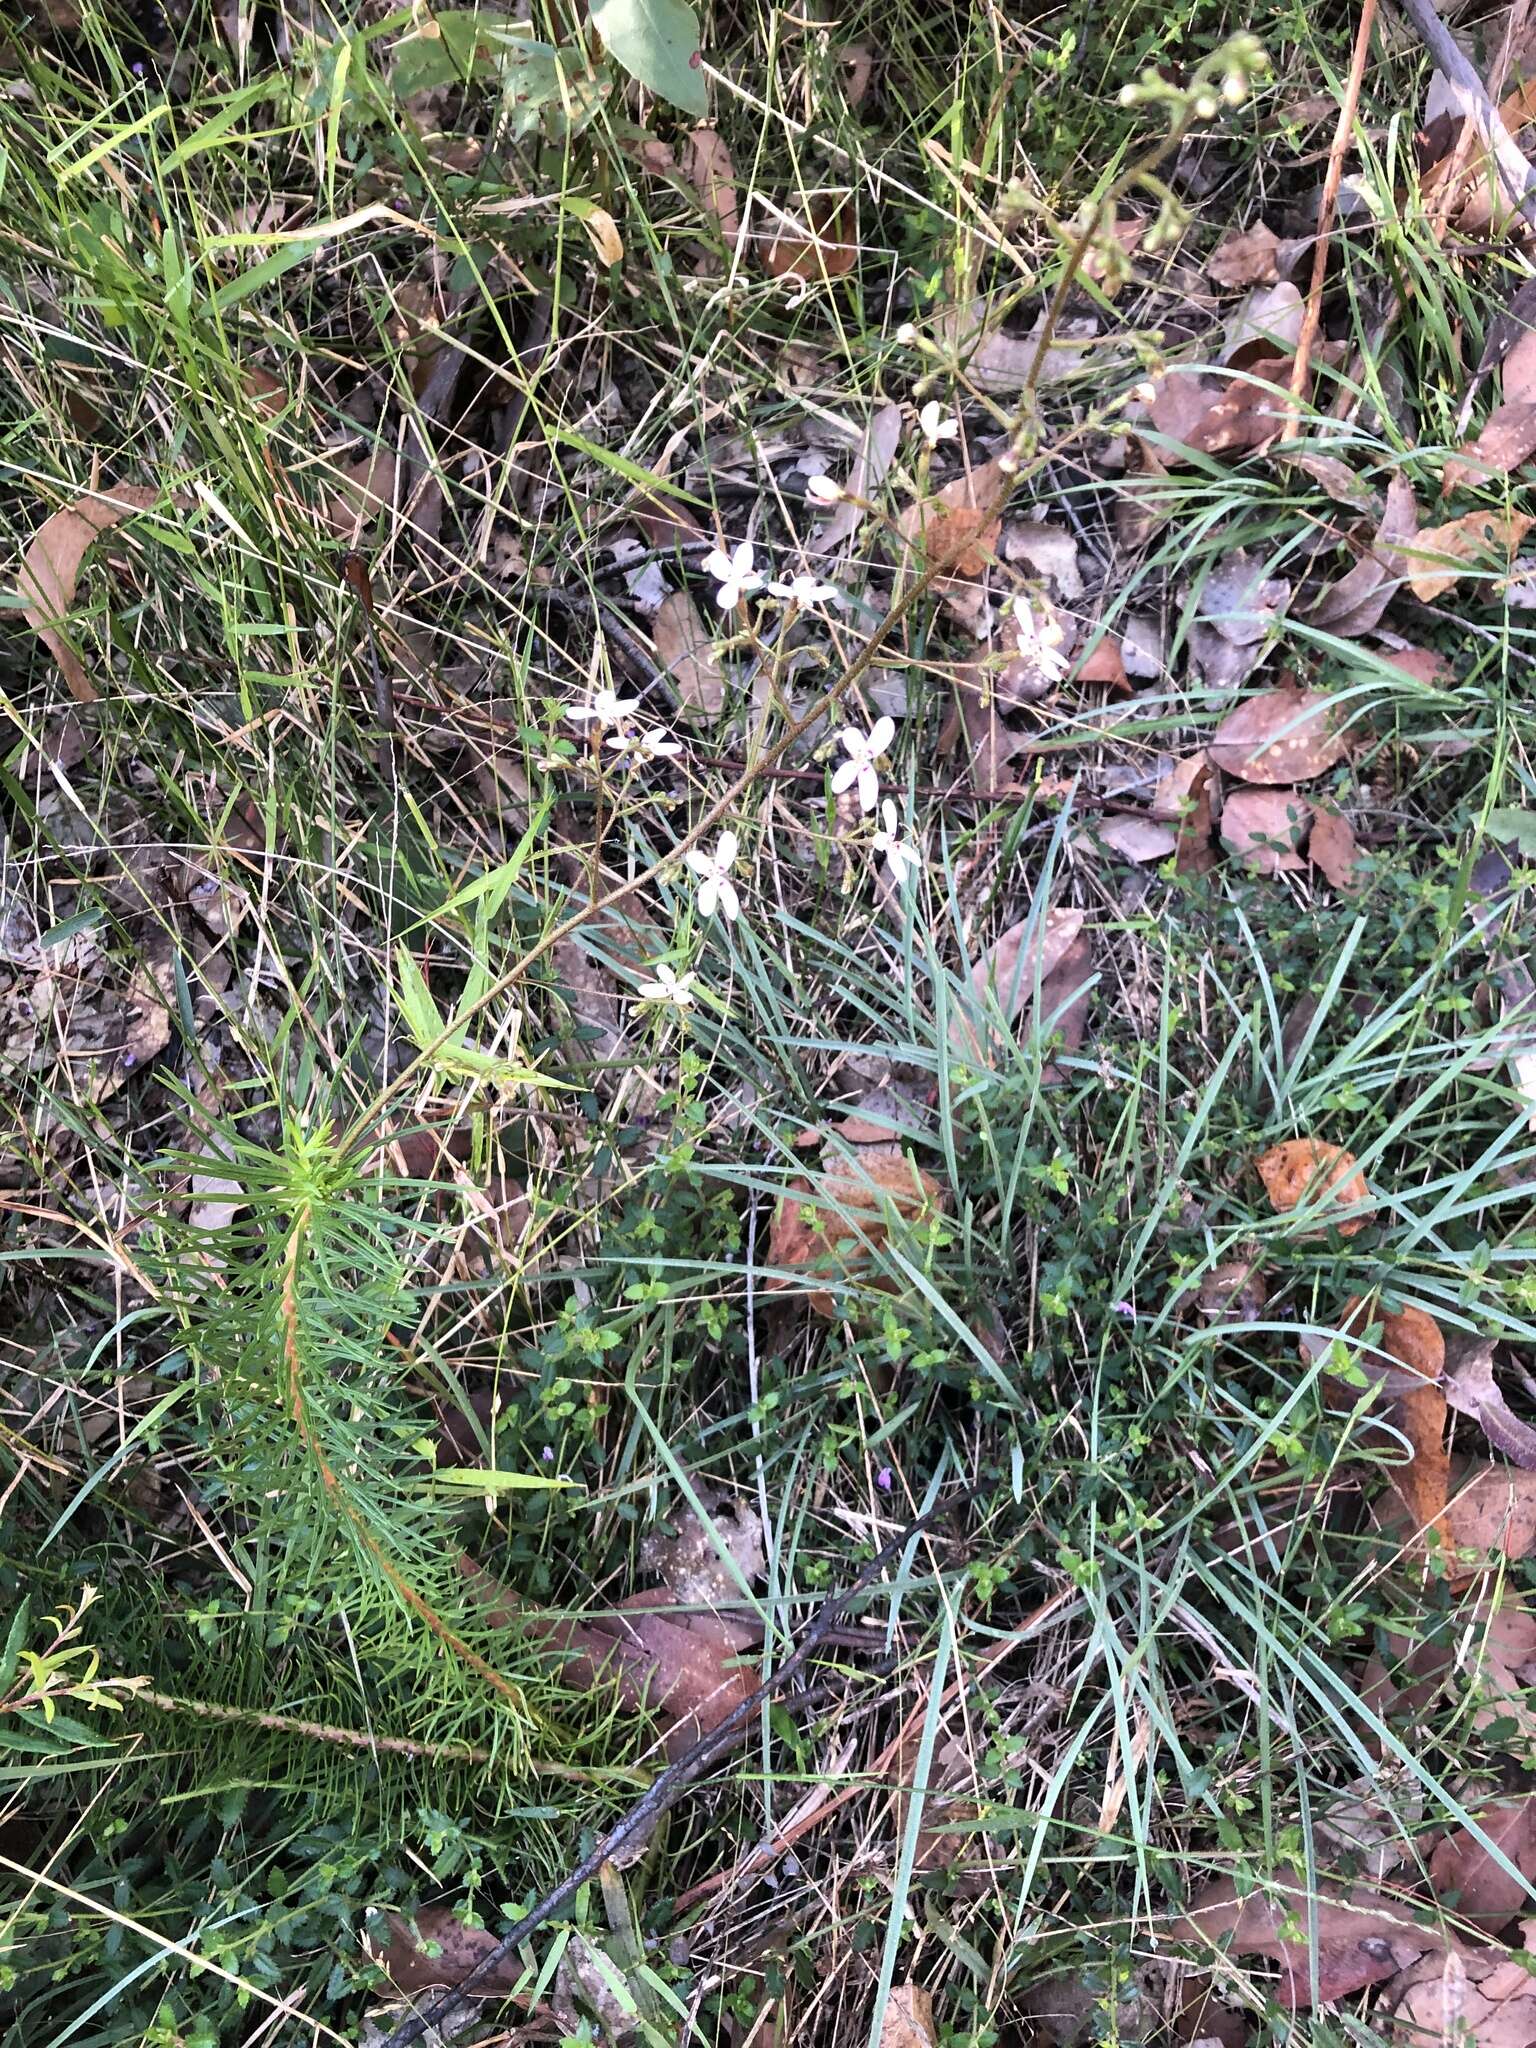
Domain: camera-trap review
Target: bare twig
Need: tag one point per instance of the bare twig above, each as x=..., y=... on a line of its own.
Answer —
x=1348, y=106
x=671, y=1785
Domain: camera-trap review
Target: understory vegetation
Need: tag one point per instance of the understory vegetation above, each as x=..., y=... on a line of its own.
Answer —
x=744, y=807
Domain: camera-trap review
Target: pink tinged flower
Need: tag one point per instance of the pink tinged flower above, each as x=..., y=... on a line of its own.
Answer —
x=885, y=1479
x=901, y=859
x=733, y=572
x=863, y=750
x=604, y=708
x=716, y=889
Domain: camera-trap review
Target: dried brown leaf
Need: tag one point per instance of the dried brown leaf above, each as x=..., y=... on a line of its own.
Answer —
x=1467, y=1880
x=1507, y=439
x=1245, y=258
x=1307, y=1170
x=877, y=450
x=1332, y=848
x=1520, y=370
x=1352, y=1938
x=685, y=653
x=822, y=244
x=1103, y=664
x=1137, y=839
x=1471, y=1390
x=1355, y=603
x=1000, y=362
x=1263, y=827
x=440, y=1950
x=50, y=570
x=907, y=2021
x=1493, y=1509
x=1279, y=736
x=957, y=530
x=1480, y=1998
x=1026, y=954
x=706, y=164
x=1460, y=543
x=1409, y=1351
x=840, y=1220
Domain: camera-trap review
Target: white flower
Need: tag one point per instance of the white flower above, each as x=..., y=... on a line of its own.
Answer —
x=604, y=708
x=656, y=745
x=806, y=590
x=821, y=490
x=1039, y=642
x=901, y=859
x=935, y=426
x=676, y=989
x=733, y=572
x=716, y=889
x=863, y=750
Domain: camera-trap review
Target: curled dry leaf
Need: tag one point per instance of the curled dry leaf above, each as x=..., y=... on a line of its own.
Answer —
x=1409, y=1350
x=1185, y=798
x=1279, y=736
x=1306, y=1171
x=1245, y=258
x=1263, y=827
x=1472, y=1390
x=1442, y=555
x=841, y=1220
x=685, y=653
x=706, y=164
x=50, y=569
x=1507, y=439
x=1237, y=609
x=1332, y=848
x=820, y=245
x=1025, y=955
x=1470, y=1883
x=1355, y=603
x=1347, y=1938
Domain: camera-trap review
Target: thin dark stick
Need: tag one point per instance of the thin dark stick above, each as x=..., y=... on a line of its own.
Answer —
x=673, y=1782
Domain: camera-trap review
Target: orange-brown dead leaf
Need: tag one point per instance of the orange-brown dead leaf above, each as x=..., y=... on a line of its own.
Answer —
x=908, y=2019
x=1441, y=555
x=956, y=530
x=1263, y=827
x=821, y=245
x=685, y=652
x=1279, y=736
x=1306, y=1170
x=435, y=1947
x=1246, y=258
x=50, y=570
x=1466, y=1879
x=1332, y=848
x=841, y=1220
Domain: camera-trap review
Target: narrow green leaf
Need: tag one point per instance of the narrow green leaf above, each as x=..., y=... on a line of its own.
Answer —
x=496, y=1482
x=657, y=41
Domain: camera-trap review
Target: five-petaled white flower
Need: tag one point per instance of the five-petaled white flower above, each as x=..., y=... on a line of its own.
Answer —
x=604, y=708
x=1039, y=643
x=935, y=427
x=806, y=590
x=863, y=750
x=733, y=572
x=821, y=490
x=901, y=859
x=656, y=745
x=716, y=889
x=676, y=989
